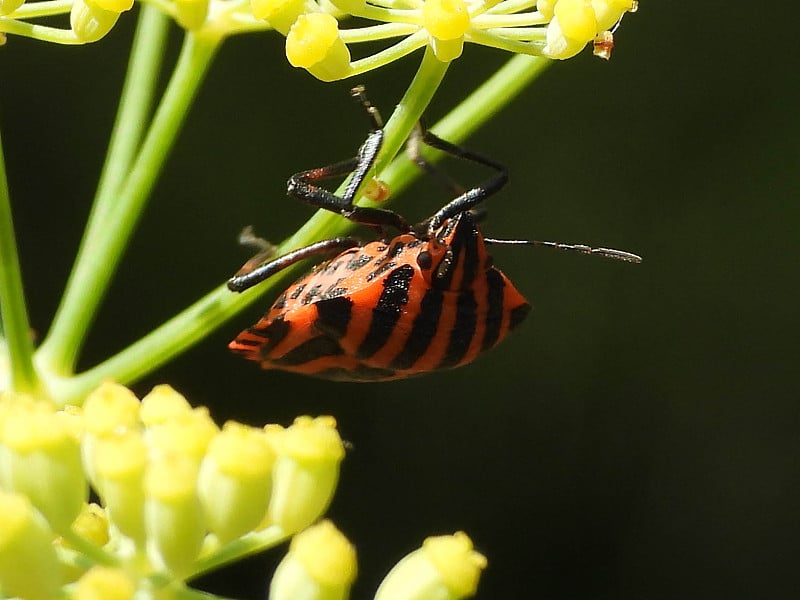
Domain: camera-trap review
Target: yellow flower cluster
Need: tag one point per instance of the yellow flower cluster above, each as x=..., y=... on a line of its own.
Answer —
x=178, y=496
x=551, y=28
x=315, y=41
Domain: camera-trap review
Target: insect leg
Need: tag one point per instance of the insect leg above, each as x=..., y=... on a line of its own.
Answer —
x=465, y=200
x=247, y=279
x=303, y=186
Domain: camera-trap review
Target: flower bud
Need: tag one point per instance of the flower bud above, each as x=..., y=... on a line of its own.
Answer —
x=29, y=567
x=89, y=22
x=109, y=408
x=446, y=19
x=305, y=473
x=9, y=6
x=320, y=565
x=235, y=480
x=162, y=404
x=92, y=524
x=104, y=583
x=187, y=433
x=173, y=516
x=191, y=14
x=281, y=14
x=572, y=27
x=119, y=464
x=42, y=460
x=445, y=568
x=313, y=43
x=447, y=50
x=608, y=12
x=117, y=6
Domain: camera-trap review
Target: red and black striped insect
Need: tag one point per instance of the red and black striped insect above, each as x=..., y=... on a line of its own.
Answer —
x=427, y=299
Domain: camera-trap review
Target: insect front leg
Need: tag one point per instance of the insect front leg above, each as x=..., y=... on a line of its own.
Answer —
x=465, y=200
x=303, y=186
x=245, y=279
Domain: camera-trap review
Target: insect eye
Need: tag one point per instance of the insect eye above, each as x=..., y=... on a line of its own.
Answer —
x=425, y=260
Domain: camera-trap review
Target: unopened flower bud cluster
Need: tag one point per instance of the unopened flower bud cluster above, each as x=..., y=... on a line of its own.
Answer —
x=180, y=495
x=317, y=41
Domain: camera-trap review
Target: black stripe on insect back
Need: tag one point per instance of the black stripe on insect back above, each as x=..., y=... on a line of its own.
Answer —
x=273, y=333
x=463, y=330
x=494, y=310
x=333, y=316
x=387, y=311
x=318, y=347
x=422, y=331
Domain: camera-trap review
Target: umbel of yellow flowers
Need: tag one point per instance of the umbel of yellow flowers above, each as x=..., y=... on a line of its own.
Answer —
x=179, y=496
x=321, y=39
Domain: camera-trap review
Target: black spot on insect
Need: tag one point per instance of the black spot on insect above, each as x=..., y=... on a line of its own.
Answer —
x=415, y=243
x=314, y=292
x=334, y=290
x=280, y=303
x=297, y=291
x=424, y=260
x=354, y=264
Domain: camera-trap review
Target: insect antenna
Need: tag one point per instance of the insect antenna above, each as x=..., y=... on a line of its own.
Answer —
x=582, y=248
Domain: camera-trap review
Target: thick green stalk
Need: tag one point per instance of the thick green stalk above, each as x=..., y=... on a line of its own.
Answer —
x=123, y=204
x=12, y=299
x=205, y=315
x=135, y=107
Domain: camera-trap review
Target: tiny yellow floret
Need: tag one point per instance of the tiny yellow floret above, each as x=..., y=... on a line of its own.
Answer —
x=187, y=433
x=445, y=568
x=92, y=524
x=29, y=567
x=191, y=14
x=171, y=478
x=242, y=451
x=104, y=583
x=308, y=439
x=311, y=38
x=306, y=471
x=458, y=563
x=42, y=460
x=576, y=19
x=9, y=6
x=235, y=480
x=608, y=12
x=327, y=555
x=109, y=407
x=281, y=14
x=320, y=565
x=162, y=404
x=446, y=19
x=116, y=6
x=174, y=521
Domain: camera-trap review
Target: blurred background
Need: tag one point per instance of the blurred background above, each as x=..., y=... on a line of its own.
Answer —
x=637, y=437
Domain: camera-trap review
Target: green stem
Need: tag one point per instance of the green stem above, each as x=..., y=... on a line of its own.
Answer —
x=135, y=107
x=121, y=207
x=12, y=298
x=208, y=313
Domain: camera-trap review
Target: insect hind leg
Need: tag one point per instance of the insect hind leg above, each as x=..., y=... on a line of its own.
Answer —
x=250, y=275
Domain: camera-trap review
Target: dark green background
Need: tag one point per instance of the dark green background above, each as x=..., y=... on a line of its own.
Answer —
x=637, y=438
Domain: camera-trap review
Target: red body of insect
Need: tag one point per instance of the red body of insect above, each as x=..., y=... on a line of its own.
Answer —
x=390, y=310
